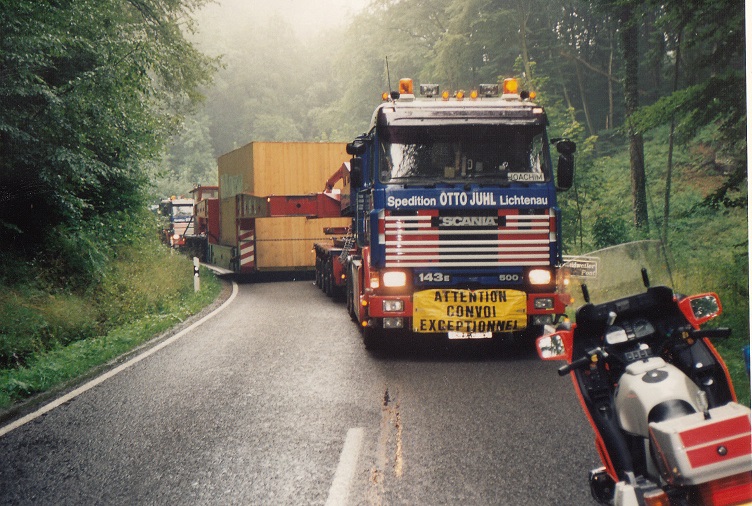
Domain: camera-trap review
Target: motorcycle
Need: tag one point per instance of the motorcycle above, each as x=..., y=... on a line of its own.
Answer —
x=659, y=398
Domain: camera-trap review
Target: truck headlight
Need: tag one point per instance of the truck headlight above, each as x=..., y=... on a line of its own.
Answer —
x=544, y=303
x=392, y=306
x=395, y=278
x=539, y=277
x=393, y=323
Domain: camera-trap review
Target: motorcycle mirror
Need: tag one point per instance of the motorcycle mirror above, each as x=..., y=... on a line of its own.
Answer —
x=585, y=293
x=551, y=347
x=700, y=308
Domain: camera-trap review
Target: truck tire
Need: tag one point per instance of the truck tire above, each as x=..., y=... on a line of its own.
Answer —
x=372, y=337
x=328, y=278
x=352, y=308
x=319, y=273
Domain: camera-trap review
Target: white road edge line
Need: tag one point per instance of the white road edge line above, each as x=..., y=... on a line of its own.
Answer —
x=112, y=372
x=348, y=460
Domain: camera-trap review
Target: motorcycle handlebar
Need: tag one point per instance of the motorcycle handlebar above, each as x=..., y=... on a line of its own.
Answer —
x=719, y=333
x=585, y=360
x=575, y=364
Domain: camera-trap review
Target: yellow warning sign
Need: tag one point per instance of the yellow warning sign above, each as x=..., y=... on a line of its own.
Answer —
x=469, y=311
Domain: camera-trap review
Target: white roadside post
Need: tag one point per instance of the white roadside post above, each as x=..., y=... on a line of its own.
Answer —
x=196, y=279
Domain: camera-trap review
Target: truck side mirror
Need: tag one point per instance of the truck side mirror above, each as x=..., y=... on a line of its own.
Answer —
x=356, y=172
x=355, y=148
x=565, y=167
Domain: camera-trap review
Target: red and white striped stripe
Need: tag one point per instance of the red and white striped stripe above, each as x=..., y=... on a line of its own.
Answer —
x=247, y=247
x=518, y=240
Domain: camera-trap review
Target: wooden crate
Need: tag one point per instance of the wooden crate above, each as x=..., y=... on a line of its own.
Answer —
x=287, y=243
x=279, y=168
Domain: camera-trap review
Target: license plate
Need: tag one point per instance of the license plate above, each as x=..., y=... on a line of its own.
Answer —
x=470, y=335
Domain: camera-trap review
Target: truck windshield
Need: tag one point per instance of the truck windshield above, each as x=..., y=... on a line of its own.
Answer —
x=448, y=153
x=182, y=212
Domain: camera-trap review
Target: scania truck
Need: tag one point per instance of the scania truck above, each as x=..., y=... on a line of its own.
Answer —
x=455, y=226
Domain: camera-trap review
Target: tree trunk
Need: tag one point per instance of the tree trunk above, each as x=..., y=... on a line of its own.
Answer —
x=583, y=98
x=630, y=45
x=670, y=163
x=524, y=16
x=610, y=118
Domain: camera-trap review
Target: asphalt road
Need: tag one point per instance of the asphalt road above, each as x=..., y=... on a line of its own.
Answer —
x=276, y=401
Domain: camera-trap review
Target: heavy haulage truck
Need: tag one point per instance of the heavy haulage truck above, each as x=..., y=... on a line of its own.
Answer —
x=453, y=223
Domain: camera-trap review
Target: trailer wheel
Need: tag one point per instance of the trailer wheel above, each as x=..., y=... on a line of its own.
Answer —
x=319, y=274
x=328, y=278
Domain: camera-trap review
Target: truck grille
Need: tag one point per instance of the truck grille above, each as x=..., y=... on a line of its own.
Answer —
x=507, y=237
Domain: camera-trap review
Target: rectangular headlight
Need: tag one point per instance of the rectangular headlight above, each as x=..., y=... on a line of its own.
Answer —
x=542, y=319
x=392, y=306
x=394, y=278
x=544, y=303
x=393, y=323
x=539, y=277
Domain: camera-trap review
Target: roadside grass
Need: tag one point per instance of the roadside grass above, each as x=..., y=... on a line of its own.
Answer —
x=49, y=339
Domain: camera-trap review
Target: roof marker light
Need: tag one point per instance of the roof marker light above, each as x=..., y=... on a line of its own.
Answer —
x=510, y=86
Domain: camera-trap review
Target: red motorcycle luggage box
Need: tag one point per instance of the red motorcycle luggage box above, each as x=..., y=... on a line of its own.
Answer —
x=691, y=450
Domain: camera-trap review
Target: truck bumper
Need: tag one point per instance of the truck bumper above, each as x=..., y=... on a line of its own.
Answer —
x=396, y=311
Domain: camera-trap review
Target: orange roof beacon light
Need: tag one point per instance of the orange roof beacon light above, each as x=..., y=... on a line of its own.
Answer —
x=510, y=87
x=445, y=95
x=460, y=95
x=385, y=96
x=406, y=86
x=473, y=94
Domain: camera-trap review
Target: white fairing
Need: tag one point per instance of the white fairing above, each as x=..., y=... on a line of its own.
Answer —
x=645, y=384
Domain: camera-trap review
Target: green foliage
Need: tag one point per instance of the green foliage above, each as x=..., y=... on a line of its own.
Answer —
x=49, y=338
x=90, y=90
x=609, y=231
x=32, y=324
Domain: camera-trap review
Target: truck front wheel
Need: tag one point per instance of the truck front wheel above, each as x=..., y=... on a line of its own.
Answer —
x=372, y=337
x=352, y=308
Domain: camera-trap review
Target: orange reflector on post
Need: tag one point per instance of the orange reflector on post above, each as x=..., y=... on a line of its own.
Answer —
x=510, y=86
x=406, y=86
